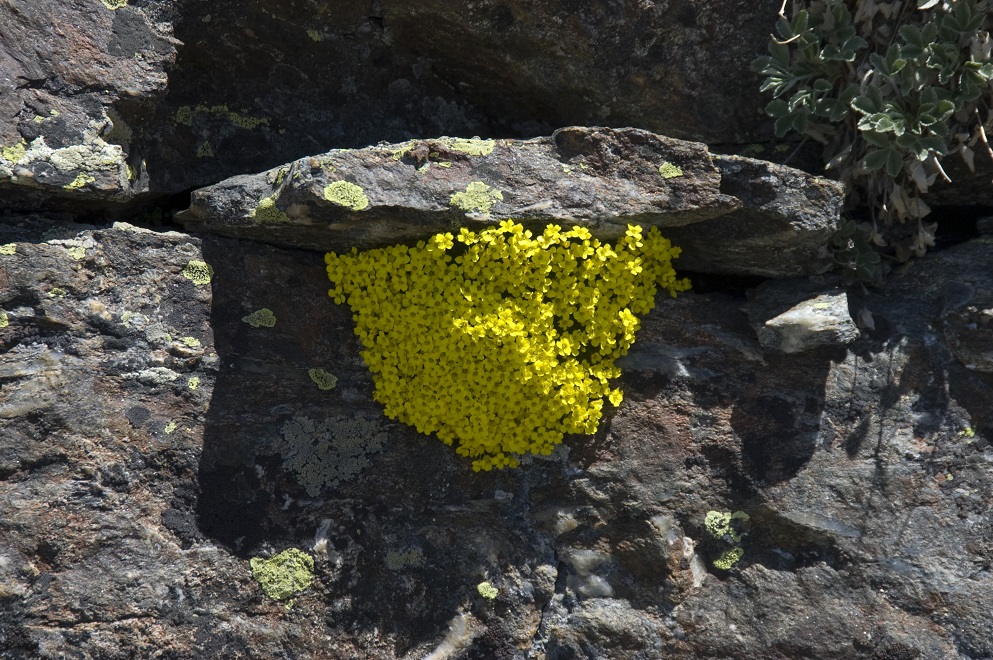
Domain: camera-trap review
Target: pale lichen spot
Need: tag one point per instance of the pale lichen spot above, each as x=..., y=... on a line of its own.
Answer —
x=670, y=171
x=260, y=318
x=8, y=249
x=81, y=180
x=477, y=197
x=198, y=272
x=323, y=379
x=347, y=194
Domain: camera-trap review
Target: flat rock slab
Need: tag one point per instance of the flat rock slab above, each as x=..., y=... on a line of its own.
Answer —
x=596, y=177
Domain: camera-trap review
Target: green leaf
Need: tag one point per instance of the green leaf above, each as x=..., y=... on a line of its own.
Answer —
x=875, y=160
x=777, y=108
x=911, y=35
x=881, y=140
x=894, y=162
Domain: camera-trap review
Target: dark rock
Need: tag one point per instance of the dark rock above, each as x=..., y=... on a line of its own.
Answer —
x=777, y=225
x=863, y=470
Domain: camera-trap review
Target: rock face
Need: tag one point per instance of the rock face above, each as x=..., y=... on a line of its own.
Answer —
x=775, y=222
x=192, y=462
x=154, y=98
x=150, y=444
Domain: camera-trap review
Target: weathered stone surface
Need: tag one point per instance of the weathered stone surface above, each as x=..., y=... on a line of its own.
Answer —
x=600, y=178
x=253, y=84
x=793, y=316
x=782, y=229
x=132, y=506
x=69, y=73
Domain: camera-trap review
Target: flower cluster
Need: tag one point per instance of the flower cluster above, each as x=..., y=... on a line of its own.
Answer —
x=501, y=342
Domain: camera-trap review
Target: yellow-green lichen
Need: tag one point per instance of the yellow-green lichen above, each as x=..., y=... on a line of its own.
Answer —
x=324, y=454
x=14, y=153
x=507, y=345
x=285, y=575
x=477, y=197
x=198, y=272
x=8, y=249
x=114, y=4
x=191, y=342
x=260, y=318
x=323, y=379
x=729, y=558
x=721, y=525
x=4, y=320
x=487, y=590
x=247, y=121
x=670, y=171
x=57, y=292
x=398, y=560
x=170, y=427
x=205, y=150
x=81, y=180
x=444, y=163
x=184, y=115
x=473, y=146
x=347, y=194
x=267, y=211
x=77, y=252
x=315, y=35
x=193, y=382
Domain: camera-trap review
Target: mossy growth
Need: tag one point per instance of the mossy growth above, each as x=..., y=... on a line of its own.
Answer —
x=323, y=379
x=477, y=197
x=260, y=318
x=284, y=575
x=267, y=211
x=198, y=272
x=347, y=194
x=670, y=171
x=507, y=343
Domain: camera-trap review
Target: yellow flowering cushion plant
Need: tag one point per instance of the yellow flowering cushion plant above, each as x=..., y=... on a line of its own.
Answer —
x=499, y=341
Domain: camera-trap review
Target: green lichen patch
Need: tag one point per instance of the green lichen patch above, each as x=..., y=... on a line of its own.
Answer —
x=477, y=197
x=315, y=35
x=8, y=249
x=14, y=153
x=347, y=194
x=184, y=115
x=57, y=292
x=487, y=590
x=205, y=150
x=82, y=179
x=267, y=211
x=284, y=575
x=323, y=379
x=198, y=272
x=729, y=558
x=77, y=252
x=473, y=146
x=170, y=427
x=670, y=171
x=4, y=320
x=114, y=4
x=325, y=454
x=260, y=318
x=724, y=528
x=191, y=342
x=193, y=382
x=398, y=560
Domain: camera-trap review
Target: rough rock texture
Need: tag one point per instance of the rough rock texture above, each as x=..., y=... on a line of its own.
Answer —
x=161, y=96
x=793, y=316
x=742, y=217
x=142, y=452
